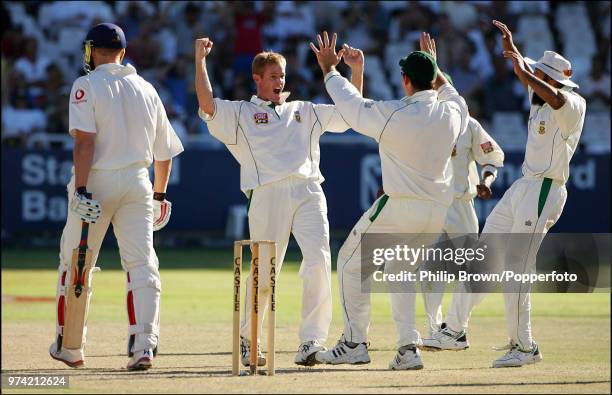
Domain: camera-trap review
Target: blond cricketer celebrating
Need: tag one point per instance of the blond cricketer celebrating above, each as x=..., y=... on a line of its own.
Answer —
x=416, y=136
x=533, y=204
x=277, y=145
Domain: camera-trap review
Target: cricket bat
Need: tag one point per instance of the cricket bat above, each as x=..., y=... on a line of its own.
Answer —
x=78, y=294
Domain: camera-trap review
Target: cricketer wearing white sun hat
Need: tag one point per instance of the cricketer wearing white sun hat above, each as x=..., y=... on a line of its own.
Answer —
x=555, y=66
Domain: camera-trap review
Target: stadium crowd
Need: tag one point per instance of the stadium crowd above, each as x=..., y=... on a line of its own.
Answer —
x=41, y=55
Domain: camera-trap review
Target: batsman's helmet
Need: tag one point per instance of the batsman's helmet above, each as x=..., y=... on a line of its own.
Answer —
x=104, y=35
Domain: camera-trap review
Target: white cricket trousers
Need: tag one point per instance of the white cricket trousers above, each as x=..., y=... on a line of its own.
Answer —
x=125, y=196
x=531, y=206
x=461, y=219
x=388, y=215
x=293, y=205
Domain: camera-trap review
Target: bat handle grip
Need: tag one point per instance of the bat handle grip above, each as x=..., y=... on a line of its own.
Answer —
x=85, y=226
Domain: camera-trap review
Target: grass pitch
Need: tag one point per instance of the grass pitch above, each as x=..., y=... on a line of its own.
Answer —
x=573, y=331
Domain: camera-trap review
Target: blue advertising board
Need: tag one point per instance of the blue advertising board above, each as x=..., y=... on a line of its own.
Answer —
x=205, y=183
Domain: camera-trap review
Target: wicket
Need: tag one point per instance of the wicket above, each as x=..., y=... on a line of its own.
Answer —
x=255, y=244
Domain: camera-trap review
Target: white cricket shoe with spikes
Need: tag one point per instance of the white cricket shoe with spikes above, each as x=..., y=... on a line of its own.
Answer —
x=72, y=358
x=516, y=357
x=410, y=360
x=141, y=360
x=342, y=353
x=446, y=339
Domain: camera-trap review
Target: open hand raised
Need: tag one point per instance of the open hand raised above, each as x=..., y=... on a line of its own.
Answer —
x=326, y=53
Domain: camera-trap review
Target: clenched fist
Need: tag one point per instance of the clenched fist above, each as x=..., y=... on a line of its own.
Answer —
x=203, y=46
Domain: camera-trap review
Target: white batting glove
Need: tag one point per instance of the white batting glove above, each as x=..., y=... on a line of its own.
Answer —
x=88, y=209
x=161, y=213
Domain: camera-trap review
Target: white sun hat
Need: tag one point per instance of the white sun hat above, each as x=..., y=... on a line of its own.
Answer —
x=555, y=66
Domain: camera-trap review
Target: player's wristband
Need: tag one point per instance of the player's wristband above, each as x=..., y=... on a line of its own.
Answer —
x=81, y=190
x=161, y=196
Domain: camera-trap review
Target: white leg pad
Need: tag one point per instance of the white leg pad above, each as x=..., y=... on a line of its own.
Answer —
x=143, y=294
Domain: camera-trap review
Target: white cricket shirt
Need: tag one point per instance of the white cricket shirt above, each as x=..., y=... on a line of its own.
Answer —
x=127, y=116
x=473, y=146
x=273, y=143
x=416, y=136
x=553, y=136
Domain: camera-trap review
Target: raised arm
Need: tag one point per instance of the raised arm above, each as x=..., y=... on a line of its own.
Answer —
x=363, y=115
x=428, y=45
x=203, y=46
x=354, y=59
x=551, y=95
x=508, y=46
x=446, y=91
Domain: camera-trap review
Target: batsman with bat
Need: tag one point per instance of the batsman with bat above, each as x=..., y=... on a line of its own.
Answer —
x=120, y=128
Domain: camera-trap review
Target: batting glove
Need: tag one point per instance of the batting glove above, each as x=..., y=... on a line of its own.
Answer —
x=161, y=213
x=88, y=209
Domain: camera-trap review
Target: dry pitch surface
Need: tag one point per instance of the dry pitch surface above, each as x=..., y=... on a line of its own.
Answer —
x=573, y=332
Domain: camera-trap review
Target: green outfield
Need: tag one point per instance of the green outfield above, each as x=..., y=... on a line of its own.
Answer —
x=573, y=331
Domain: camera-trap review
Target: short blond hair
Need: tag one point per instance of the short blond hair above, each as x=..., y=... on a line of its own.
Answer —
x=265, y=58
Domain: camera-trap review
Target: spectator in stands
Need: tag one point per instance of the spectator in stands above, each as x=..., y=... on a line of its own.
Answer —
x=466, y=79
x=144, y=49
x=57, y=115
x=131, y=19
x=32, y=67
x=355, y=27
x=19, y=120
x=191, y=24
x=462, y=14
x=174, y=78
x=161, y=37
x=248, y=38
x=595, y=87
x=499, y=90
x=13, y=43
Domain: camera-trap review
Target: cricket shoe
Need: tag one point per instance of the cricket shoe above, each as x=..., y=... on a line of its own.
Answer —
x=342, y=353
x=72, y=358
x=446, y=339
x=306, y=354
x=516, y=357
x=409, y=360
x=141, y=360
x=245, y=353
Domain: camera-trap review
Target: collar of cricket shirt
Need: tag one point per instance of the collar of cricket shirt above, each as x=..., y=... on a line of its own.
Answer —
x=263, y=103
x=114, y=68
x=426, y=95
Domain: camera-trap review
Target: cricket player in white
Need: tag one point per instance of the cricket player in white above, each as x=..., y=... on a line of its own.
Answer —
x=416, y=136
x=533, y=204
x=474, y=146
x=120, y=128
x=277, y=145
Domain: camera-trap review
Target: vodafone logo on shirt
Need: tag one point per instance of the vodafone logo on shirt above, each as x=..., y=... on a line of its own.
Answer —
x=79, y=96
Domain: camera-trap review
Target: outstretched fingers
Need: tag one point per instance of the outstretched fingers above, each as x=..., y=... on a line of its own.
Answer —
x=320, y=41
x=502, y=27
x=314, y=48
x=333, y=42
x=326, y=38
